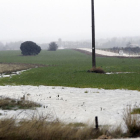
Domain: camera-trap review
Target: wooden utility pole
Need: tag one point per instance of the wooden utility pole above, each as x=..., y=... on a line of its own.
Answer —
x=93, y=35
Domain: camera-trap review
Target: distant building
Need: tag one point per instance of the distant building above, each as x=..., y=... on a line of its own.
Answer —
x=134, y=45
x=60, y=44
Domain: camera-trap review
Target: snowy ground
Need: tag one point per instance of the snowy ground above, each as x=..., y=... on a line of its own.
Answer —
x=73, y=104
x=106, y=53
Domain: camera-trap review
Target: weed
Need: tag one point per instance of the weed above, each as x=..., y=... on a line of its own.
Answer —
x=86, y=91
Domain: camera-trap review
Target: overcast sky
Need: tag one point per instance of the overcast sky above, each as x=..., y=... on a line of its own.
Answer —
x=47, y=20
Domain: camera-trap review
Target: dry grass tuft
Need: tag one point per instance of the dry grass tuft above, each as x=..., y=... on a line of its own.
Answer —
x=9, y=104
x=96, y=70
x=116, y=132
x=132, y=122
x=41, y=129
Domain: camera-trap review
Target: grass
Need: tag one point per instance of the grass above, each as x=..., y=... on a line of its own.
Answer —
x=41, y=129
x=9, y=68
x=86, y=91
x=132, y=122
x=136, y=111
x=69, y=68
x=13, y=104
x=77, y=124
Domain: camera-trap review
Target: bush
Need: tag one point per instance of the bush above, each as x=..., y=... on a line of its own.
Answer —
x=30, y=48
x=53, y=46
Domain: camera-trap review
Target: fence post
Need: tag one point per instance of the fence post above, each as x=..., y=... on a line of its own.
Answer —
x=96, y=122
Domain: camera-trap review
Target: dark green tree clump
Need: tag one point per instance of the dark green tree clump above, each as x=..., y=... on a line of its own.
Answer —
x=53, y=46
x=30, y=48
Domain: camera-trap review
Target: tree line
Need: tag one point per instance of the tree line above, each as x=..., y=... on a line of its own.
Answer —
x=31, y=48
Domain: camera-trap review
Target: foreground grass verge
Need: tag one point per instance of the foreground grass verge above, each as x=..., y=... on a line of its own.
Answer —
x=69, y=68
x=40, y=128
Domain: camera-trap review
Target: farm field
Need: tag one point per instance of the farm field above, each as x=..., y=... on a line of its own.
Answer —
x=69, y=68
x=58, y=84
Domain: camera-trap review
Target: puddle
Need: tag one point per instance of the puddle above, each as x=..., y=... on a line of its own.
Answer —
x=118, y=72
x=3, y=75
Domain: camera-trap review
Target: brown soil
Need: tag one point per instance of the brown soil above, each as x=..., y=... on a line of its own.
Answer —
x=13, y=67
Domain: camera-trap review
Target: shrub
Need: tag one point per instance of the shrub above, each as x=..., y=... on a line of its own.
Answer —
x=53, y=46
x=30, y=48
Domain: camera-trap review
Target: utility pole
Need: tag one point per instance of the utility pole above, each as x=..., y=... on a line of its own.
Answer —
x=93, y=35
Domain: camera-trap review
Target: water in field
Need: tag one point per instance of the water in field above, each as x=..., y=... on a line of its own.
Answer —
x=73, y=104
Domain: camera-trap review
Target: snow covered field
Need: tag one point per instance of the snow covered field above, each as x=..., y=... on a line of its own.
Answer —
x=73, y=104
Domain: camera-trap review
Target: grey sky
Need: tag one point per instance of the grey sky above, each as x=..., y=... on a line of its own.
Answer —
x=48, y=20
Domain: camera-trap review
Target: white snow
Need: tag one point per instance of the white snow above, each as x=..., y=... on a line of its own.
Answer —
x=107, y=53
x=73, y=104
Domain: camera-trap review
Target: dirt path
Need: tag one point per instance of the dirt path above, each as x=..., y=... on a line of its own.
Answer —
x=12, y=67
